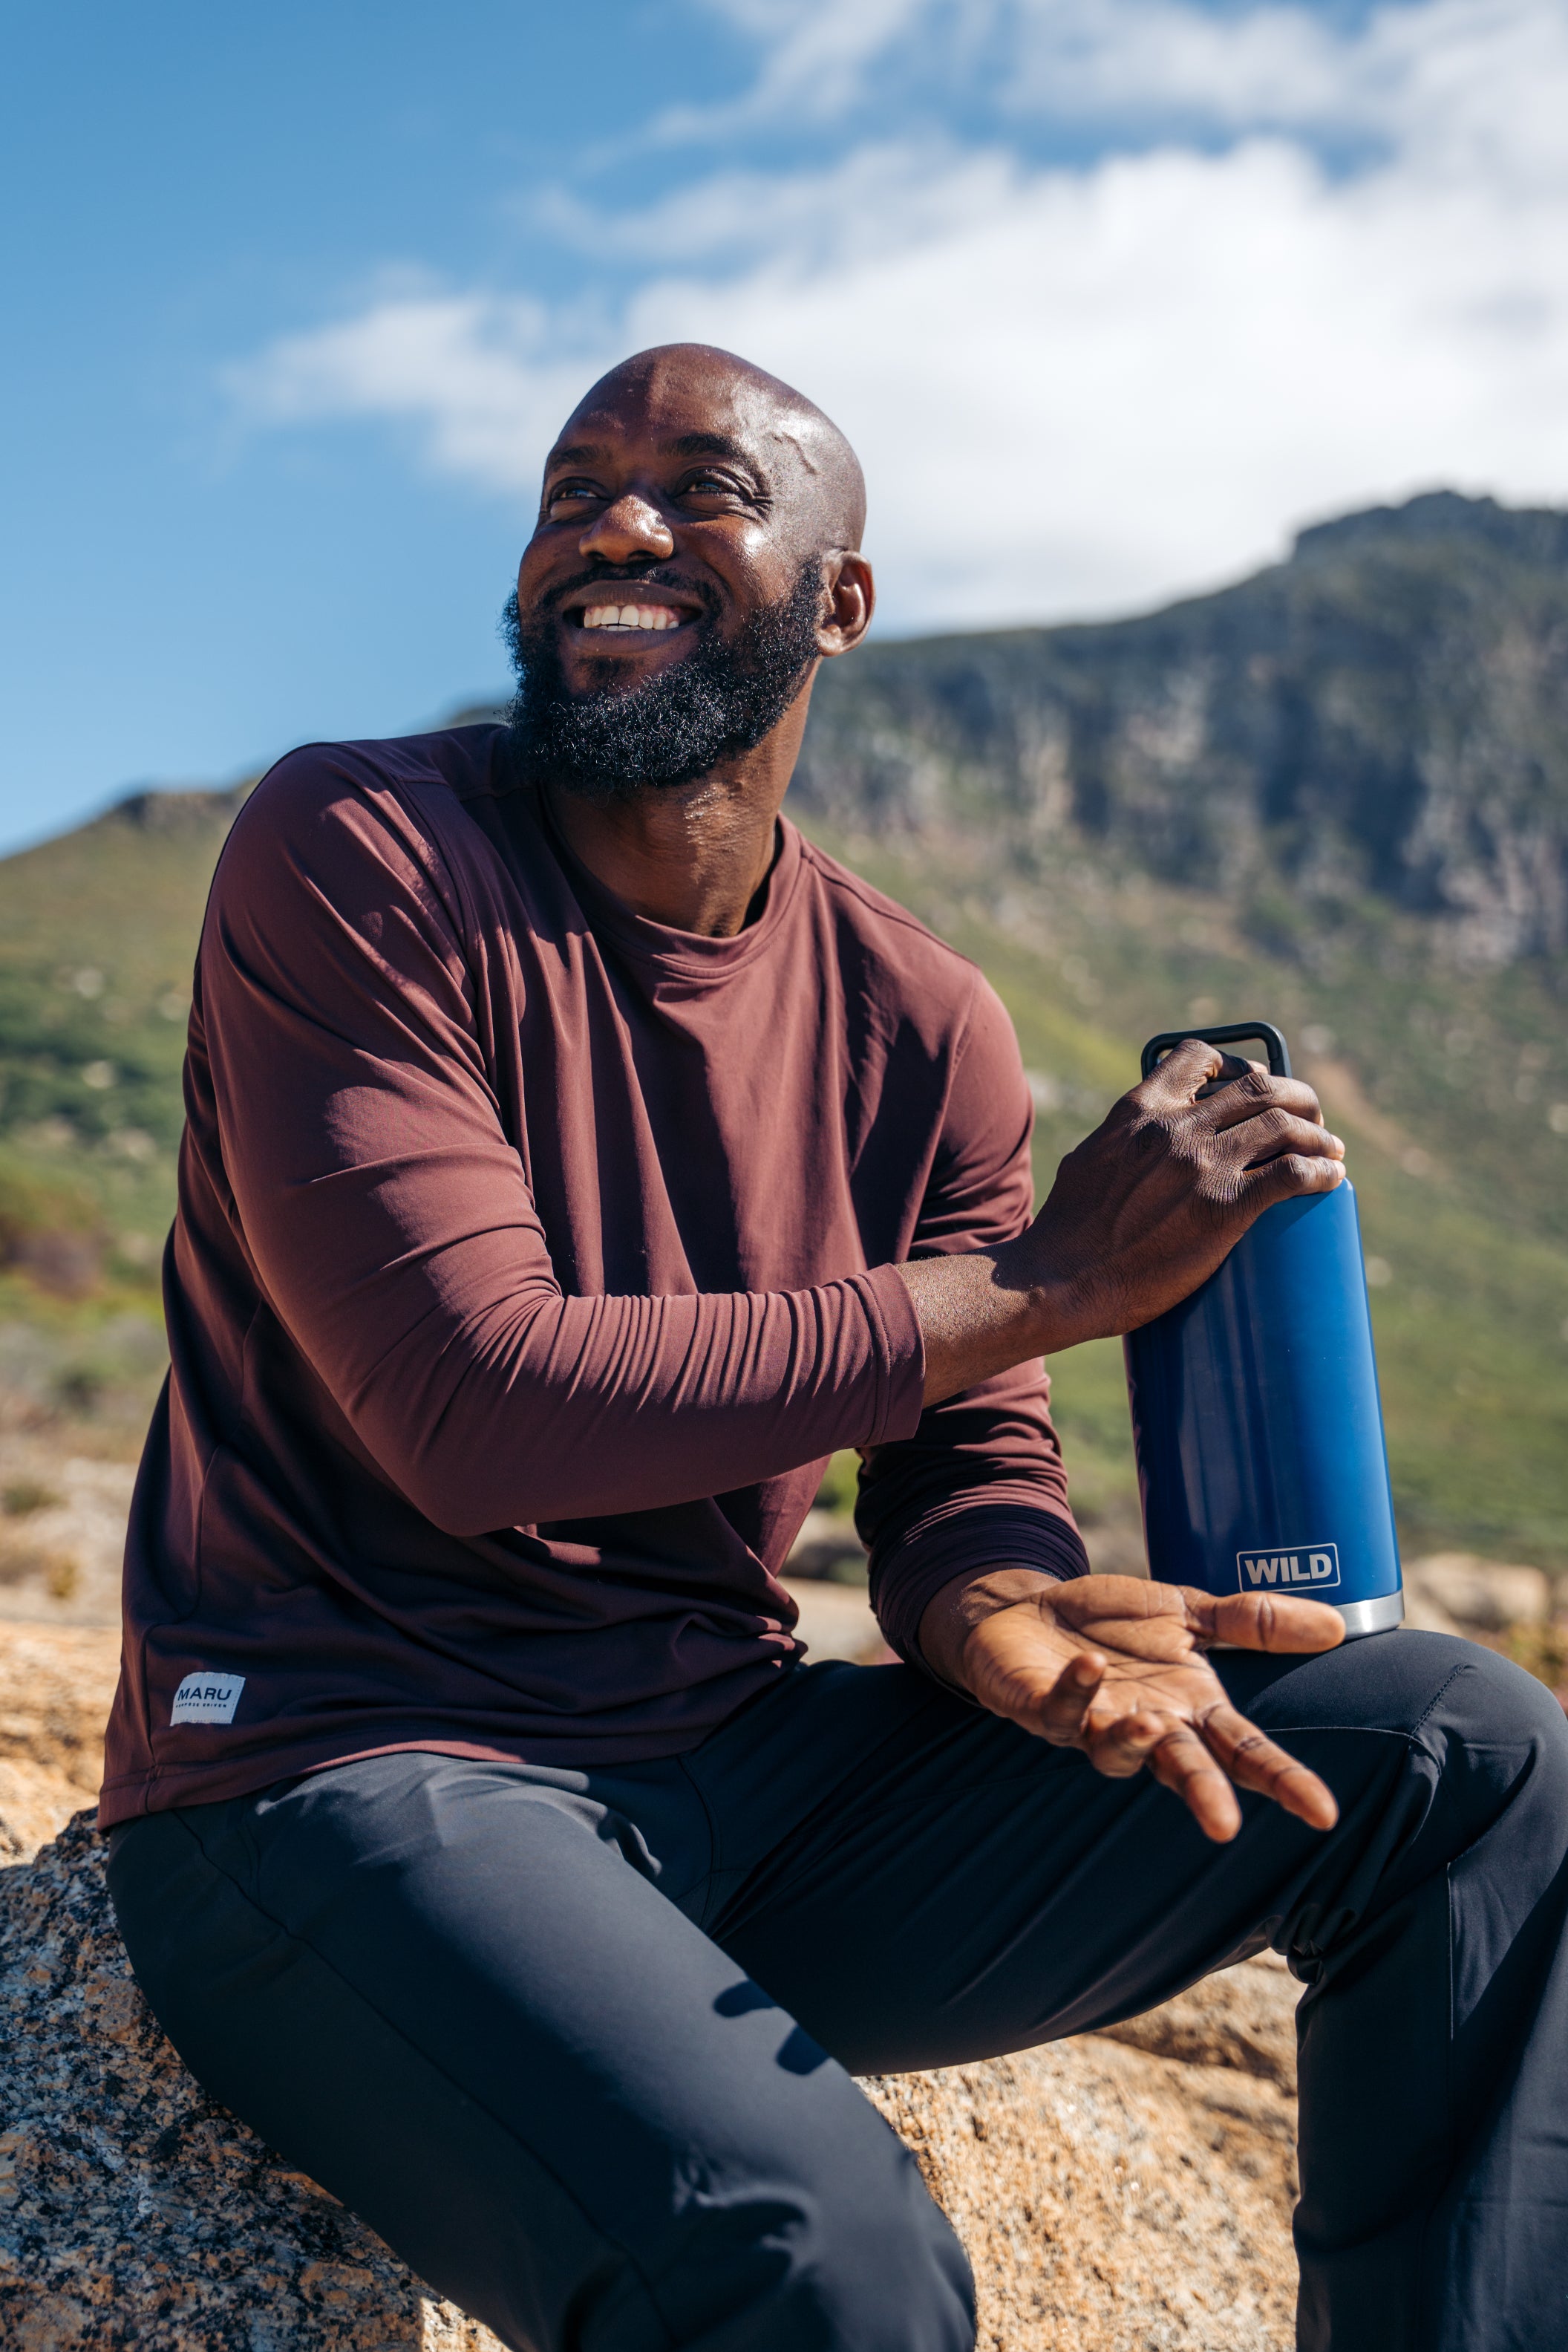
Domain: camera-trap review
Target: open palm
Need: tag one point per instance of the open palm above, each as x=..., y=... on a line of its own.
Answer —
x=1116, y=1666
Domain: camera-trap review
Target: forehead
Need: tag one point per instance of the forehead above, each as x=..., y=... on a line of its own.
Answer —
x=678, y=412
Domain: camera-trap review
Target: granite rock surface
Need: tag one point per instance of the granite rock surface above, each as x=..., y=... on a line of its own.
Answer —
x=133, y=2211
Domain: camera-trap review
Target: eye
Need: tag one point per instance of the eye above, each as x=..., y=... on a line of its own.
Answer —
x=711, y=482
x=574, y=493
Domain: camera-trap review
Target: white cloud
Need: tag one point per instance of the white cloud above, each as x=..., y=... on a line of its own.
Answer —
x=485, y=383
x=1268, y=65
x=879, y=198
x=1078, y=389
x=817, y=56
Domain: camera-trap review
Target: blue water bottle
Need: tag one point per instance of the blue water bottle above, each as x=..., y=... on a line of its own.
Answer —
x=1256, y=1417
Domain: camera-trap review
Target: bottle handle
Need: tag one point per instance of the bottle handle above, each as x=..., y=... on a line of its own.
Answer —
x=1263, y=1032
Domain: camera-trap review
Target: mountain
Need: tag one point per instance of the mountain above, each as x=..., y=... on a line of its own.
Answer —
x=1387, y=713
x=1335, y=795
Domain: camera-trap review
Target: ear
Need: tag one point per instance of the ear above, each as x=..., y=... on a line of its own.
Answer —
x=850, y=597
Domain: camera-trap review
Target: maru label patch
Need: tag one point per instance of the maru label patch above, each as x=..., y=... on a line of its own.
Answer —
x=206, y=1698
x=1308, y=1567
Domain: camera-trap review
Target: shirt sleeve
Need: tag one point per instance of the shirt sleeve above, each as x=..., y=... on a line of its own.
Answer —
x=980, y=1483
x=392, y=1232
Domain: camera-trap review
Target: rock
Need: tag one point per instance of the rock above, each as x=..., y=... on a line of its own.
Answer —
x=135, y=2212
x=1244, y=2017
x=1133, y=2189
x=1111, y=2198
x=1384, y=713
x=1487, y=1594
x=1422, y=1616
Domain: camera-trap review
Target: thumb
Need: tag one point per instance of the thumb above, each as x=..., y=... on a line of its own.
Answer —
x=1281, y=1624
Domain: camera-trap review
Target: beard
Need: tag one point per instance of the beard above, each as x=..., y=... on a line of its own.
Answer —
x=718, y=701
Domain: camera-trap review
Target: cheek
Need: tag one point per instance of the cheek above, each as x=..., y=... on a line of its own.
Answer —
x=543, y=559
x=751, y=565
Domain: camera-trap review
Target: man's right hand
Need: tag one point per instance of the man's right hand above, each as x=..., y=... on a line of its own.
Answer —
x=1149, y=1205
x=1140, y=1213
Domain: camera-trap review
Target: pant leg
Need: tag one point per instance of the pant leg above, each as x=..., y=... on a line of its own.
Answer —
x=457, y=1998
x=955, y=1890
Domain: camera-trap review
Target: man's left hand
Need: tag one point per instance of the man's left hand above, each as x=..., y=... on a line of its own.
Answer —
x=1115, y=1666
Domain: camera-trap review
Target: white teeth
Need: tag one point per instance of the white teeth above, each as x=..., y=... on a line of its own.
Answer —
x=631, y=616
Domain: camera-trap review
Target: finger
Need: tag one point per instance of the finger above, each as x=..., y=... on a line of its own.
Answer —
x=1062, y=1714
x=1263, y=1621
x=1257, y=1091
x=1256, y=1141
x=1289, y=1177
x=1121, y=1747
x=1184, y=1764
x=1185, y=1070
x=1255, y=1761
x=1234, y=1068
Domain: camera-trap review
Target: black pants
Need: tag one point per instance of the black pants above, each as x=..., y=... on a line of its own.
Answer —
x=580, y=2044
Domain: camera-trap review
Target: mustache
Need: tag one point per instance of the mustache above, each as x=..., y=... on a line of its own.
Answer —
x=626, y=575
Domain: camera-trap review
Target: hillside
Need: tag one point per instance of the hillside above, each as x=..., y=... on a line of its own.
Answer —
x=1336, y=795
x=96, y=931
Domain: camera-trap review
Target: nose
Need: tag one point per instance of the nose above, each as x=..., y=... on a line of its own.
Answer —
x=628, y=528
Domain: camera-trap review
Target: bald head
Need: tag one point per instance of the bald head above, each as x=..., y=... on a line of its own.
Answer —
x=696, y=555
x=811, y=474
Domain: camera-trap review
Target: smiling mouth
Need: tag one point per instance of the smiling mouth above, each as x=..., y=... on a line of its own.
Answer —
x=630, y=620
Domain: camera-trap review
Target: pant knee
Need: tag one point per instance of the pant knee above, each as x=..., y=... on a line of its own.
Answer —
x=856, y=2258
x=905, y=2286
x=1400, y=1682
x=1476, y=1697
x=1497, y=1741
x=895, y=2270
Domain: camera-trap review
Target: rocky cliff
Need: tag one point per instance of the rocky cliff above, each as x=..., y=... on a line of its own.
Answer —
x=1383, y=715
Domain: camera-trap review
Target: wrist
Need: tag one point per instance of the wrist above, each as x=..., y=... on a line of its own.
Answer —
x=951, y=1616
x=1054, y=1307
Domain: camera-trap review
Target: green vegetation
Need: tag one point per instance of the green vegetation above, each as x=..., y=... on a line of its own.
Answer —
x=97, y=932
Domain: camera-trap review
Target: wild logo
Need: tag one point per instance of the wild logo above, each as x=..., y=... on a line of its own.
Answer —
x=1312, y=1567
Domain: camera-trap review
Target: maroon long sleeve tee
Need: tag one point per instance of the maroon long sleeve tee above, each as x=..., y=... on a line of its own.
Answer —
x=530, y=1259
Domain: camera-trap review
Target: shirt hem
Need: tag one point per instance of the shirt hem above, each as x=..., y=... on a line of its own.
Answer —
x=165, y=1788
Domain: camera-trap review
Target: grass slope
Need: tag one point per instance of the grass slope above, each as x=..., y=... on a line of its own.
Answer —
x=97, y=934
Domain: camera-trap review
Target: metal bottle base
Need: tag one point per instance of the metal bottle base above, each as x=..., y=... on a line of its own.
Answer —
x=1379, y=1616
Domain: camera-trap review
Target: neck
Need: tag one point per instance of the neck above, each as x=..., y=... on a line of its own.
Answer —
x=692, y=857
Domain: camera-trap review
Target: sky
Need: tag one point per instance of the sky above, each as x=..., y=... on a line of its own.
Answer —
x=1111, y=295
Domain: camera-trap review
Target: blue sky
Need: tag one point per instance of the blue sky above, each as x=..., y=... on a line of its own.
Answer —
x=1112, y=294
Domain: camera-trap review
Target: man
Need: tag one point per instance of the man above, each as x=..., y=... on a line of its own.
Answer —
x=575, y=1157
